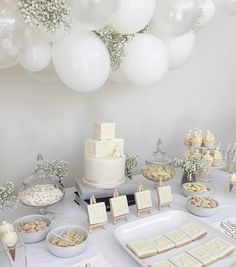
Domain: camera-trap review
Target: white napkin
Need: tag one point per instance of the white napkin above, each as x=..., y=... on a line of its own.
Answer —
x=96, y=261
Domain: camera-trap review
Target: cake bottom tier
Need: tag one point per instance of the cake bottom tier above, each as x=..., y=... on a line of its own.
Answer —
x=104, y=173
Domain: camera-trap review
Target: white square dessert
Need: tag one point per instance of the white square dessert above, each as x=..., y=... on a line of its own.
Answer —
x=104, y=130
x=219, y=247
x=119, y=206
x=97, y=213
x=143, y=199
x=142, y=249
x=203, y=255
x=96, y=148
x=185, y=260
x=162, y=264
x=178, y=237
x=162, y=244
x=193, y=231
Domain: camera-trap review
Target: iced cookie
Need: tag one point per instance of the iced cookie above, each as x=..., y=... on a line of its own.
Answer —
x=185, y=260
x=193, y=231
x=142, y=249
x=162, y=244
x=203, y=255
x=219, y=247
x=179, y=238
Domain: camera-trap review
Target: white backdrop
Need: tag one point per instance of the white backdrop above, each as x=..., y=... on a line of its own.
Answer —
x=48, y=118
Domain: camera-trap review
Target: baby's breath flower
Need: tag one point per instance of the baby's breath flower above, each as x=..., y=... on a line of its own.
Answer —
x=8, y=196
x=51, y=14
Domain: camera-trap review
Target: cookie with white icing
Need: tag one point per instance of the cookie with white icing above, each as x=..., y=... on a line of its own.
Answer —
x=142, y=249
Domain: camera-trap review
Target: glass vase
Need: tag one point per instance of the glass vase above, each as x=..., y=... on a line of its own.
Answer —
x=188, y=178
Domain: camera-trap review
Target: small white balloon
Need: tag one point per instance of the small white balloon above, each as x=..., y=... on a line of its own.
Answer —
x=133, y=15
x=180, y=48
x=118, y=76
x=146, y=60
x=228, y=7
x=175, y=17
x=81, y=61
x=36, y=52
x=206, y=13
x=93, y=14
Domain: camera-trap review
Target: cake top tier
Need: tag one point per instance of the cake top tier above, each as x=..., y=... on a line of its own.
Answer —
x=104, y=130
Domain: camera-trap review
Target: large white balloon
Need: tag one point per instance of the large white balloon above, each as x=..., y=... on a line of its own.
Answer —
x=133, y=15
x=146, y=60
x=93, y=14
x=11, y=36
x=228, y=7
x=175, y=17
x=206, y=13
x=81, y=61
x=180, y=48
x=36, y=52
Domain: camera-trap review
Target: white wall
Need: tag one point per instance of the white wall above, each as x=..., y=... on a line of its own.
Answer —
x=48, y=118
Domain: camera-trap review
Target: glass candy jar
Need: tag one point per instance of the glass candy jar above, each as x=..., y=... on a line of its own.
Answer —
x=41, y=190
x=158, y=167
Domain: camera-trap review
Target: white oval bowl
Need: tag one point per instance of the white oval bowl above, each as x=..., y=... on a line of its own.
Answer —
x=30, y=238
x=67, y=252
x=189, y=193
x=202, y=212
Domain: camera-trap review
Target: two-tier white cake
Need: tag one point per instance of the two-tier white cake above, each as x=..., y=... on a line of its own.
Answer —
x=104, y=162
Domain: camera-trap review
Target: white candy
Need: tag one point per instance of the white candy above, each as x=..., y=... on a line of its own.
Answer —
x=41, y=195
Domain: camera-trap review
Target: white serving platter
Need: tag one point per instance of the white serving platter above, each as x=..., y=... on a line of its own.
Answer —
x=162, y=223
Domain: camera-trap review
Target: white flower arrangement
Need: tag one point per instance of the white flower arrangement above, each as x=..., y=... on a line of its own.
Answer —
x=51, y=14
x=58, y=168
x=8, y=196
x=195, y=164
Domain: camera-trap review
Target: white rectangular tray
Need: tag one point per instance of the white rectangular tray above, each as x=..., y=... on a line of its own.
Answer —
x=163, y=223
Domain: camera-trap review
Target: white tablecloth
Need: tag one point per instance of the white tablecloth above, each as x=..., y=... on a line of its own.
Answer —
x=102, y=241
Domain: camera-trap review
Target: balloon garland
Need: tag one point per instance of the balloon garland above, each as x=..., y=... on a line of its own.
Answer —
x=87, y=42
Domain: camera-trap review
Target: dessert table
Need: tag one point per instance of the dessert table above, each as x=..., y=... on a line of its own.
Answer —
x=102, y=241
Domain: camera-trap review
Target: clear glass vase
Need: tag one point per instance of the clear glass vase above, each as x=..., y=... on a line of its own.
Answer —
x=188, y=178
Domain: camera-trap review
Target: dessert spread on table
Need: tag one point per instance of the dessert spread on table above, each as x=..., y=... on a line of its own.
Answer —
x=104, y=168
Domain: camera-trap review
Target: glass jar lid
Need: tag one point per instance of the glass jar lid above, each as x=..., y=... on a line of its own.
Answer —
x=158, y=156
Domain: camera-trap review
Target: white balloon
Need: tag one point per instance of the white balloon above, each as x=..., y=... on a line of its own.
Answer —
x=228, y=7
x=11, y=36
x=180, y=48
x=93, y=14
x=133, y=15
x=206, y=13
x=81, y=61
x=36, y=52
x=146, y=60
x=175, y=17
x=118, y=76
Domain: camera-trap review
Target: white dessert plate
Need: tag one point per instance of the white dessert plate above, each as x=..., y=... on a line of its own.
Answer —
x=162, y=223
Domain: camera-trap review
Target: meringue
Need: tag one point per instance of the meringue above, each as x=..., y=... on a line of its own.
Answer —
x=10, y=239
x=6, y=227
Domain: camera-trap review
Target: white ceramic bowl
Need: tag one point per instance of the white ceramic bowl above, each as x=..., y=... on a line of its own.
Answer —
x=30, y=238
x=202, y=212
x=189, y=193
x=67, y=252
